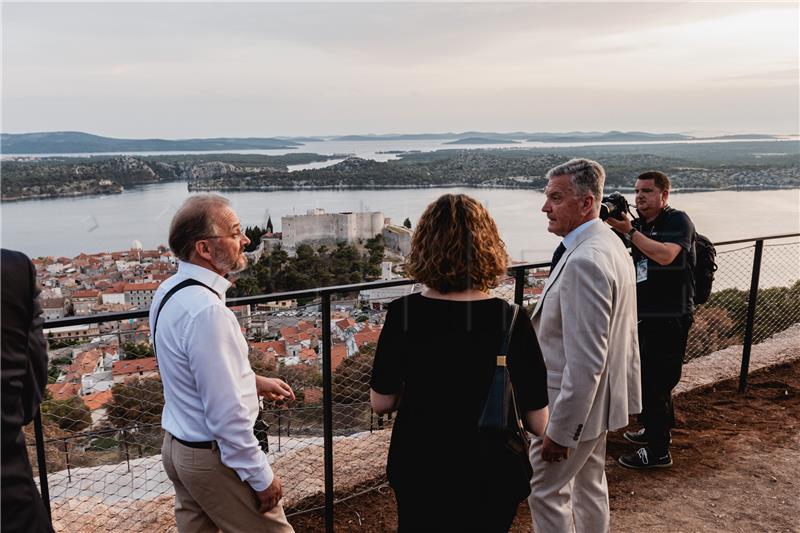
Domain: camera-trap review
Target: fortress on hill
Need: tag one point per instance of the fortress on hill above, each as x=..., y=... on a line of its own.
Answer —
x=317, y=227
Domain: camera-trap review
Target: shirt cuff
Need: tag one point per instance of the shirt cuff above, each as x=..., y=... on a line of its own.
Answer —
x=263, y=480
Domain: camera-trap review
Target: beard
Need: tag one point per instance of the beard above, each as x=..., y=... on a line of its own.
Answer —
x=229, y=263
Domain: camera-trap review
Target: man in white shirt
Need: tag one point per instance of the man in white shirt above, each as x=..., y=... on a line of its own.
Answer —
x=221, y=477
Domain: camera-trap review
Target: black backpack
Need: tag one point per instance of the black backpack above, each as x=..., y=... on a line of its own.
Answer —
x=704, y=268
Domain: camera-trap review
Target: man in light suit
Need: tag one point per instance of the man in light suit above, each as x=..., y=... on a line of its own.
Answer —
x=585, y=321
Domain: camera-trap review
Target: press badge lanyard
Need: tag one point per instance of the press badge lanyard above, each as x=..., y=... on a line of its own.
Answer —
x=641, y=264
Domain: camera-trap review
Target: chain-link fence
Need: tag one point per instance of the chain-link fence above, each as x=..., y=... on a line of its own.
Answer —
x=101, y=419
x=722, y=321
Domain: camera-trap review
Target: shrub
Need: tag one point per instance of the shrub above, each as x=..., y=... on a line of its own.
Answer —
x=70, y=414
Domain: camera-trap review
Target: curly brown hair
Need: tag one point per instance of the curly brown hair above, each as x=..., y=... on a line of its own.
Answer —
x=456, y=246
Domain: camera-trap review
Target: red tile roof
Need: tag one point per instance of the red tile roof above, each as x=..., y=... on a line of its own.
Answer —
x=367, y=336
x=304, y=326
x=89, y=293
x=83, y=363
x=52, y=303
x=288, y=331
x=338, y=355
x=276, y=347
x=140, y=287
x=98, y=399
x=346, y=323
x=134, y=366
x=307, y=354
x=64, y=391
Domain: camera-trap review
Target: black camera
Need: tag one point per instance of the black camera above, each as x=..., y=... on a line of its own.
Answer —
x=614, y=205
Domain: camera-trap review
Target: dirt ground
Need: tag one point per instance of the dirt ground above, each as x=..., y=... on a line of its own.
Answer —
x=736, y=465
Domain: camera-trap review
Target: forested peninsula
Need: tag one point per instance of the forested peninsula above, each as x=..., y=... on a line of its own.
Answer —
x=701, y=166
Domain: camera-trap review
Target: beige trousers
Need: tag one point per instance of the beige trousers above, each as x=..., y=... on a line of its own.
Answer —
x=210, y=497
x=571, y=495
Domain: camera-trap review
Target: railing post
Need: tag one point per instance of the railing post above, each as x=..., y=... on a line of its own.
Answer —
x=751, y=315
x=66, y=454
x=327, y=406
x=127, y=454
x=44, y=487
x=519, y=285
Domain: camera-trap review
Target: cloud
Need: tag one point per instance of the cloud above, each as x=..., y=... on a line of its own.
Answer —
x=177, y=69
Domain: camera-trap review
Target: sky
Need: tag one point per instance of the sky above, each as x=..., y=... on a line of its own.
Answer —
x=188, y=70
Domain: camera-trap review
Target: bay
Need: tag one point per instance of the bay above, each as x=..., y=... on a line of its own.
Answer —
x=69, y=226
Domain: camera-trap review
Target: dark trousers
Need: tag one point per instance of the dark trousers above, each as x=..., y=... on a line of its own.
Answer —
x=662, y=345
x=22, y=507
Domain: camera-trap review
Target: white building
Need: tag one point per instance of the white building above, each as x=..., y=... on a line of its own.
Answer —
x=113, y=297
x=317, y=227
x=397, y=239
x=140, y=294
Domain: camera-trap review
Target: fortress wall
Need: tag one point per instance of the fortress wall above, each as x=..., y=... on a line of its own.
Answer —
x=329, y=228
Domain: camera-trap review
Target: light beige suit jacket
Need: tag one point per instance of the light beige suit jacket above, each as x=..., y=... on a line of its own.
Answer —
x=585, y=321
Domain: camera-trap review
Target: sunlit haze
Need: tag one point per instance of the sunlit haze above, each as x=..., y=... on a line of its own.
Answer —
x=213, y=69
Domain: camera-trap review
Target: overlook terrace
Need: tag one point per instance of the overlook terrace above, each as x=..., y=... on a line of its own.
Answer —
x=95, y=469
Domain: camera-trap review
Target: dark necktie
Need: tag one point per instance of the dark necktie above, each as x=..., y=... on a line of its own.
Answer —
x=557, y=256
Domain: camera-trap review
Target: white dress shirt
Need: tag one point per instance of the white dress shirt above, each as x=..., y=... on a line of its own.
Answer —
x=209, y=385
x=571, y=237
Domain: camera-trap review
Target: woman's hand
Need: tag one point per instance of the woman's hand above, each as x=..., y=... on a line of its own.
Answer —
x=384, y=403
x=537, y=420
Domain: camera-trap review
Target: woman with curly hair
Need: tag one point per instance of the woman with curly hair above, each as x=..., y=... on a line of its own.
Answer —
x=433, y=365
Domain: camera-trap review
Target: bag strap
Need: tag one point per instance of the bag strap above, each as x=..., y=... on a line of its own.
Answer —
x=182, y=285
x=501, y=359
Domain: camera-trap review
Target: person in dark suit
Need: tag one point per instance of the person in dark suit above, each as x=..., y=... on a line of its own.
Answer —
x=24, y=376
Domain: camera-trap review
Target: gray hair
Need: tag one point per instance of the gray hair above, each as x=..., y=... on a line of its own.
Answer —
x=587, y=177
x=194, y=221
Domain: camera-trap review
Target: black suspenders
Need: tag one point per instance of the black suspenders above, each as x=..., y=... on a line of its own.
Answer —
x=182, y=285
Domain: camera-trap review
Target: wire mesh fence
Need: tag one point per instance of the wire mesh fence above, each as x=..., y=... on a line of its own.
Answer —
x=101, y=419
x=721, y=322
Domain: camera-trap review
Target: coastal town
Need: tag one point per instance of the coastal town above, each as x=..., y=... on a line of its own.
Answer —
x=87, y=360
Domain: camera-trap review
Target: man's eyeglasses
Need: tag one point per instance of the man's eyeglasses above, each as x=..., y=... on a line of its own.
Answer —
x=238, y=235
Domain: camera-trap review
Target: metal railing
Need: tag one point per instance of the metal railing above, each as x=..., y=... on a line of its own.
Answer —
x=88, y=468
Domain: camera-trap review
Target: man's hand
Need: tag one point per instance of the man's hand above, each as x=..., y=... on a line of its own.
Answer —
x=273, y=389
x=553, y=451
x=623, y=226
x=270, y=496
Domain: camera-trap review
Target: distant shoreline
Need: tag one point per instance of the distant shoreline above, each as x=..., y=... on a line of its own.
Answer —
x=202, y=189
x=738, y=188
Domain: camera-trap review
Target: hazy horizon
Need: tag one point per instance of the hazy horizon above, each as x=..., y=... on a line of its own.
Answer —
x=331, y=136
x=184, y=70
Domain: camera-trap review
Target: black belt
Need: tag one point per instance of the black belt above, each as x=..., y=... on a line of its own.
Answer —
x=202, y=445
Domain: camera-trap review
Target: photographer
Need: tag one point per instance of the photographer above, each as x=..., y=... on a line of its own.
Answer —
x=662, y=243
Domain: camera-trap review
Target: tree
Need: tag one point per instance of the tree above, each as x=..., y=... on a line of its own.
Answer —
x=299, y=377
x=710, y=332
x=137, y=350
x=407, y=223
x=351, y=379
x=138, y=401
x=254, y=234
x=52, y=374
x=70, y=414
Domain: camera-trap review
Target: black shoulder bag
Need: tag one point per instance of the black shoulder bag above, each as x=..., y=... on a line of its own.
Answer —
x=500, y=424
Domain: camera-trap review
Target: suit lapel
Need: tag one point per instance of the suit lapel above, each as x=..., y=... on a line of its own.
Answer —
x=582, y=237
